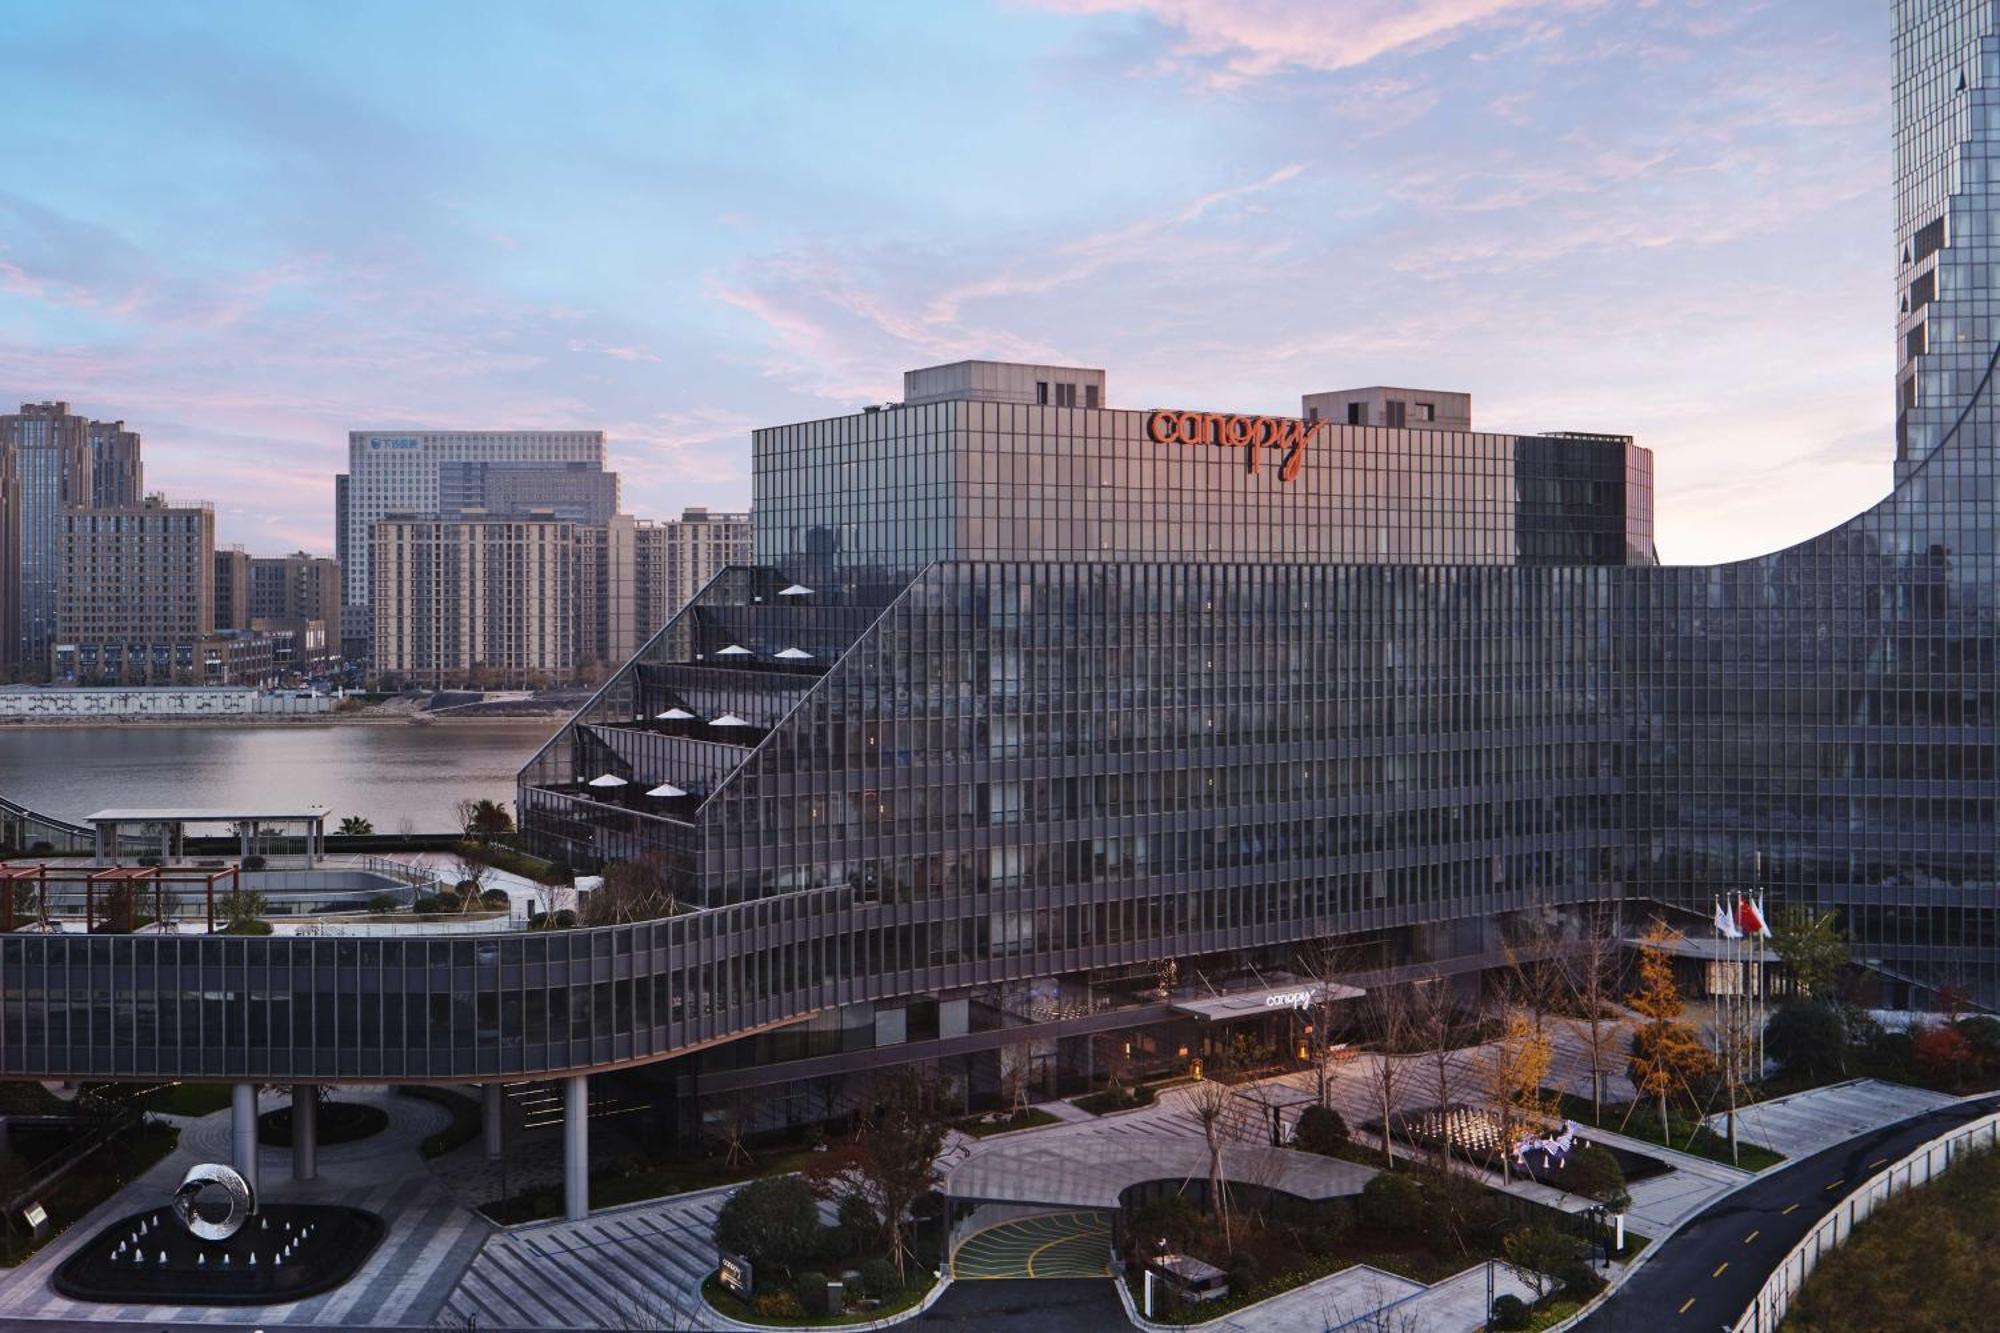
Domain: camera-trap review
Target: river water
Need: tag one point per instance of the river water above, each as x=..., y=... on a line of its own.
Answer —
x=399, y=776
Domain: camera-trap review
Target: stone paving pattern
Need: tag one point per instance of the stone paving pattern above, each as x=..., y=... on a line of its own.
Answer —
x=429, y=1242
x=1805, y=1122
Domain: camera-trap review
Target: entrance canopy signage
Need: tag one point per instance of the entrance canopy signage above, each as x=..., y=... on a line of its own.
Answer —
x=1258, y=1003
x=1287, y=437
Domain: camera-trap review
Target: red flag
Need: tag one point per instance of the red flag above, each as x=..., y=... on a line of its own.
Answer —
x=1747, y=918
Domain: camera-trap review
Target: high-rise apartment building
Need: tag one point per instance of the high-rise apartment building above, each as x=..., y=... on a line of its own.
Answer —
x=135, y=594
x=646, y=571
x=232, y=588
x=474, y=599
x=117, y=475
x=399, y=472
x=298, y=594
x=50, y=447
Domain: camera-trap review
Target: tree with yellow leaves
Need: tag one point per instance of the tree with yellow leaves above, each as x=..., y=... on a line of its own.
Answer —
x=1513, y=1071
x=1666, y=1051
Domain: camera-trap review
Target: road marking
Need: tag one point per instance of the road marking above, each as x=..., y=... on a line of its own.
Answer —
x=1792, y=1209
x=1718, y=1272
x=1684, y=1308
x=1753, y=1235
x=1879, y=1161
x=1838, y=1183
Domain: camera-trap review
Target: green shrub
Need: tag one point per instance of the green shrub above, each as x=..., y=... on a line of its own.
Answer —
x=774, y=1223
x=1173, y=1219
x=811, y=1289
x=1243, y=1274
x=1321, y=1130
x=1579, y=1280
x=880, y=1279
x=1805, y=1037
x=1594, y=1173
x=1392, y=1203
x=778, y=1305
x=1509, y=1312
x=858, y=1232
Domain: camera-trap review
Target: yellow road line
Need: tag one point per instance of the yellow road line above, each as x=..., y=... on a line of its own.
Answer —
x=1879, y=1161
x=1753, y=1235
x=1793, y=1208
x=1684, y=1308
x=1718, y=1271
x=1838, y=1183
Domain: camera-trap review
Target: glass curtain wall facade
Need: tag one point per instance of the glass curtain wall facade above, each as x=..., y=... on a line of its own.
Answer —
x=1023, y=690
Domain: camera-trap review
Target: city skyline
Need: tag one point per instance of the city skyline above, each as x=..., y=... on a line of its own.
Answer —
x=1589, y=217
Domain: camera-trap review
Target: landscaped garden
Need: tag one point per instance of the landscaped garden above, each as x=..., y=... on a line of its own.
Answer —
x=785, y=1265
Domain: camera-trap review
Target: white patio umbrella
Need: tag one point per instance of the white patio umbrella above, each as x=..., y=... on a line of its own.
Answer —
x=666, y=789
x=796, y=590
x=607, y=780
x=795, y=655
x=729, y=720
x=675, y=715
x=734, y=650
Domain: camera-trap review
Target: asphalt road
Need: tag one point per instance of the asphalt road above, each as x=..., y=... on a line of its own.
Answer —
x=1706, y=1274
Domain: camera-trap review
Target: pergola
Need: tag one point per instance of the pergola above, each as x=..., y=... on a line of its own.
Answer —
x=101, y=886
x=170, y=826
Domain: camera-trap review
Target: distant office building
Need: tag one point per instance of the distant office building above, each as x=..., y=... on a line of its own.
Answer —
x=298, y=594
x=117, y=476
x=50, y=449
x=10, y=566
x=476, y=599
x=232, y=588
x=579, y=492
x=135, y=594
x=398, y=472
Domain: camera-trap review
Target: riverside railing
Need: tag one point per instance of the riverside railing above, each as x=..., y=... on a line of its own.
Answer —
x=1918, y=1169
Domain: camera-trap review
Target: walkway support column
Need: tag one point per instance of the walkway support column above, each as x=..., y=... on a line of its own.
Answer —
x=576, y=1147
x=305, y=1131
x=243, y=1132
x=489, y=1119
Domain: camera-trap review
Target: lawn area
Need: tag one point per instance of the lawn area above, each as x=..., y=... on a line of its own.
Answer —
x=465, y=1117
x=725, y=1302
x=1102, y=1103
x=1689, y=1135
x=1920, y=1262
x=107, y=1171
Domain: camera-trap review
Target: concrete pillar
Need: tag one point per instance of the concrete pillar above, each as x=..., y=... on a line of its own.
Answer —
x=576, y=1147
x=305, y=1131
x=489, y=1119
x=243, y=1132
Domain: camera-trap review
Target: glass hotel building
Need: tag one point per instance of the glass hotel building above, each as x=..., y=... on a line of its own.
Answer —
x=1027, y=698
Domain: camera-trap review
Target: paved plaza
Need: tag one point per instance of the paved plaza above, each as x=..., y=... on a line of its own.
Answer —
x=1805, y=1122
x=431, y=1236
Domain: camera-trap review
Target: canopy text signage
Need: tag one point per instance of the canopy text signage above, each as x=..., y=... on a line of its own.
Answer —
x=1286, y=437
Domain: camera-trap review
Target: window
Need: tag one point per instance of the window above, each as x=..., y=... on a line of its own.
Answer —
x=1042, y=392
x=1397, y=413
x=1065, y=395
x=1090, y=396
x=1426, y=411
x=1357, y=414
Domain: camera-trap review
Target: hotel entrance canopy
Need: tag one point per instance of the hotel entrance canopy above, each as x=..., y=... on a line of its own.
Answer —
x=170, y=825
x=1253, y=1004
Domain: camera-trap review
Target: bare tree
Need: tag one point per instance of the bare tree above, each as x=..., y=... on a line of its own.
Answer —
x=465, y=811
x=1592, y=970
x=1209, y=1104
x=1324, y=962
x=469, y=865
x=1434, y=1024
x=640, y=890
x=1388, y=1015
x=1532, y=978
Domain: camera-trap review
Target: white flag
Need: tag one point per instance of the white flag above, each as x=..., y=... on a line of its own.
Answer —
x=1724, y=926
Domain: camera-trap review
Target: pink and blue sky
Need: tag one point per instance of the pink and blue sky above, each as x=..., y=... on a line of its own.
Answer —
x=248, y=228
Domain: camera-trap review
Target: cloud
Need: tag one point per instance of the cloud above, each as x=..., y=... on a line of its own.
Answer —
x=615, y=352
x=1226, y=43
